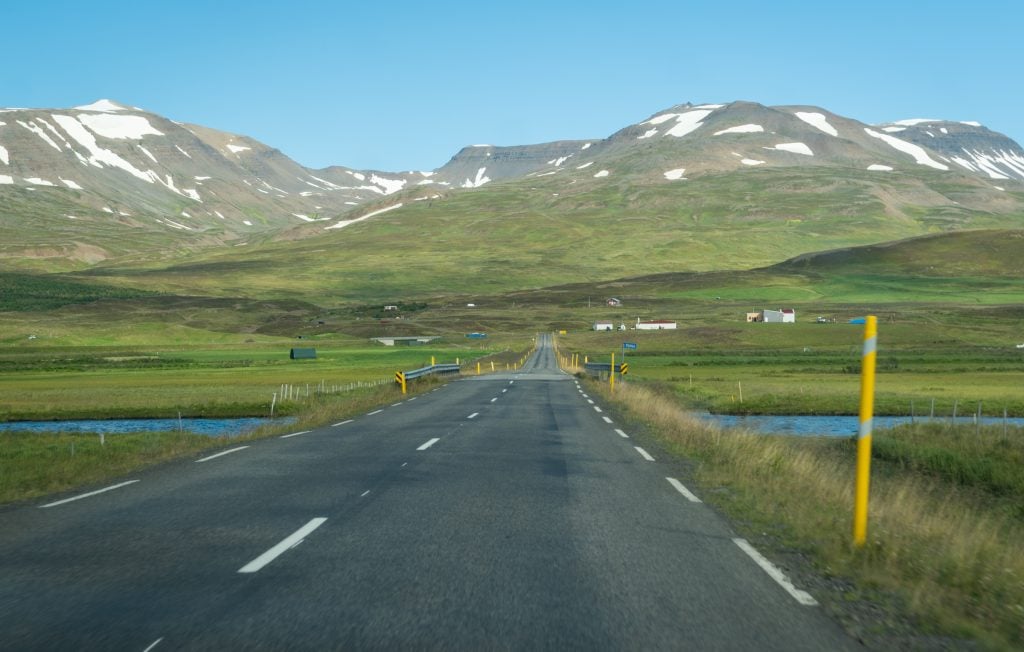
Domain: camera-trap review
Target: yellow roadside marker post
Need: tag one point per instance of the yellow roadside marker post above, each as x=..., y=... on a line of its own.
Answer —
x=400, y=379
x=867, y=408
x=611, y=376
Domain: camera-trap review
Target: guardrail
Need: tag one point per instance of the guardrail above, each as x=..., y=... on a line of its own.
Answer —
x=401, y=377
x=601, y=368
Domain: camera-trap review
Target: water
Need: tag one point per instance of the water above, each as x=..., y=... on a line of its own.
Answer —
x=829, y=426
x=209, y=427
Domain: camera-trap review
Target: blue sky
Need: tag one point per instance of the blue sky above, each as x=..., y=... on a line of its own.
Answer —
x=404, y=85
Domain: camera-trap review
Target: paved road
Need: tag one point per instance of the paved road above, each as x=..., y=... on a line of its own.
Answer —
x=506, y=511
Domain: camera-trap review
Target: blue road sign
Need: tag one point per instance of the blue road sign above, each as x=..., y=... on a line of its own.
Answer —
x=629, y=345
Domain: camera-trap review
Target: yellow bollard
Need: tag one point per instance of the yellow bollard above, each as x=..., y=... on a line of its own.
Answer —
x=432, y=363
x=492, y=365
x=867, y=408
x=478, y=369
x=611, y=376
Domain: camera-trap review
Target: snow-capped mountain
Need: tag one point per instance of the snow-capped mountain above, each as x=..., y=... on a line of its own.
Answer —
x=83, y=185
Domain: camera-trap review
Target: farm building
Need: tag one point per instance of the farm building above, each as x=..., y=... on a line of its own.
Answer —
x=784, y=316
x=754, y=317
x=655, y=325
x=604, y=326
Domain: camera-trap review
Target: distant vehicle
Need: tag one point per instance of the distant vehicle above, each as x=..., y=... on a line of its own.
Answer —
x=822, y=320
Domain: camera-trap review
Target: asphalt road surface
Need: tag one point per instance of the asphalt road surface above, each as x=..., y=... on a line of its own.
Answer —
x=505, y=511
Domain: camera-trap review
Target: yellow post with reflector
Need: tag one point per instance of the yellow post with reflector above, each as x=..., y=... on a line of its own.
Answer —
x=478, y=369
x=867, y=408
x=400, y=379
x=611, y=375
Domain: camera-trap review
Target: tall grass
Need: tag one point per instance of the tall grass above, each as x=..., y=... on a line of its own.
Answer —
x=957, y=562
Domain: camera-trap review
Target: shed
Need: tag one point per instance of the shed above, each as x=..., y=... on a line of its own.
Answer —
x=655, y=325
x=784, y=316
x=303, y=354
x=604, y=326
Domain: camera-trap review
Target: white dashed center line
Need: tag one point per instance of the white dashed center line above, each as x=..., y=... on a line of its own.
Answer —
x=622, y=434
x=597, y=409
x=365, y=494
x=473, y=416
x=374, y=412
x=292, y=540
x=494, y=399
x=607, y=420
x=294, y=434
x=341, y=423
x=429, y=443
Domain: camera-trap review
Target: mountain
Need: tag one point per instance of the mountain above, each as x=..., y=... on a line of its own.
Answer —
x=691, y=187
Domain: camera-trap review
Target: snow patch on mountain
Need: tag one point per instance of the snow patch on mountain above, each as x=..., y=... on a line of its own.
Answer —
x=818, y=121
x=187, y=155
x=893, y=130
x=601, y=174
x=132, y=127
x=912, y=122
x=794, y=148
x=6, y=180
x=101, y=105
x=657, y=120
x=674, y=175
x=742, y=129
x=343, y=223
x=5, y=155
x=920, y=156
x=971, y=123
x=585, y=165
x=877, y=167
x=587, y=146
x=71, y=184
x=647, y=134
x=390, y=186
x=150, y=155
x=688, y=122
x=36, y=181
x=479, y=181
x=751, y=161
x=235, y=149
x=37, y=130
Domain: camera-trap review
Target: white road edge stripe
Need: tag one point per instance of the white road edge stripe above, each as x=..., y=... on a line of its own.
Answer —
x=290, y=541
x=295, y=434
x=803, y=597
x=683, y=490
x=429, y=443
x=622, y=434
x=473, y=416
x=91, y=493
x=494, y=399
x=227, y=452
x=607, y=420
x=342, y=423
x=644, y=454
x=374, y=412
x=153, y=644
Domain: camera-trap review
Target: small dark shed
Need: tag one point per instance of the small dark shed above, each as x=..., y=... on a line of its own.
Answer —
x=303, y=354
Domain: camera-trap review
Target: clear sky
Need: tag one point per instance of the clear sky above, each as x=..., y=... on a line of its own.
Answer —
x=404, y=85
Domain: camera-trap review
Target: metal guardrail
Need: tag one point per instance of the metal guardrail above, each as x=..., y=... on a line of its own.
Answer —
x=597, y=368
x=431, y=370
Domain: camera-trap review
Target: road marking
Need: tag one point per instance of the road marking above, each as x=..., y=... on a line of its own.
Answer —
x=412, y=399
x=404, y=464
x=374, y=412
x=504, y=390
x=153, y=644
x=294, y=434
x=292, y=540
x=597, y=409
x=494, y=399
x=622, y=434
x=803, y=597
x=644, y=454
x=396, y=404
x=429, y=443
x=365, y=494
x=683, y=490
x=511, y=381
x=473, y=416
x=91, y=493
x=585, y=395
x=607, y=420
x=590, y=401
x=342, y=423
x=227, y=452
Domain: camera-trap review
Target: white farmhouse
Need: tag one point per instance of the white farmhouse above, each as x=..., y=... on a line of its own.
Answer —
x=604, y=326
x=784, y=316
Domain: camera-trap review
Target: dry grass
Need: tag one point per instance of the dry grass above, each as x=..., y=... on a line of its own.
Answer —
x=957, y=562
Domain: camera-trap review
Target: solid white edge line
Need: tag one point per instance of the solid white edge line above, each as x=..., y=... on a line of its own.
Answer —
x=803, y=597
x=473, y=416
x=291, y=540
x=622, y=434
x=342, y=423
x=429, y=443
x=374, y=412
x=227, y=452
x=504, y=390
x=607, y=420
x=494, y=399
x=153, y=644
x=365, y=494
x=396, y=404
x=683, y=490
x=644, y=454
x=91, y=493
x=412, y=399
x=295, y=434
x=597, y=409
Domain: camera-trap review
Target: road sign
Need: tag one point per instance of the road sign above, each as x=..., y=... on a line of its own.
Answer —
x=624, y=368
x=629, y=345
